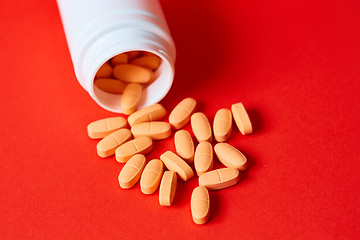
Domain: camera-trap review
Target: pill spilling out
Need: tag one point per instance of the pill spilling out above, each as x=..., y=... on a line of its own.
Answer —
x=106, y=147
x=200, y=205
x=115, y=76
x=174, y=163
x=181, y=114
x=131, y=98
x=103, y=127
x=222, y=125
x=132, y=170
x=241, y=118
x=156, y=130
x=167, y=188
x=151, y=113
x=201, y=127
x=151, y=176
x=204, y=158
x=131, y=145
x=184, y=145
x=230, y=156
x=141, y=145
x=219, y=178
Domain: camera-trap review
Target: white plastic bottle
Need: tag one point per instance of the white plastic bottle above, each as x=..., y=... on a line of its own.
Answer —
x=97, y=30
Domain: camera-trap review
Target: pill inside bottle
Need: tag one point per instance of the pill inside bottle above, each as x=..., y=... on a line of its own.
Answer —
x=141, y=67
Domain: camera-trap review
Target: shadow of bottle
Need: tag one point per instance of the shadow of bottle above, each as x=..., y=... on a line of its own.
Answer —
x=201, y=42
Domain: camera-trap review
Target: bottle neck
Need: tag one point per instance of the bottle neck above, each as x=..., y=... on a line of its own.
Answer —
x=131, y=36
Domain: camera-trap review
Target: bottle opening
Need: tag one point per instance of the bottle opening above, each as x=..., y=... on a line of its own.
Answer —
x=152, y=71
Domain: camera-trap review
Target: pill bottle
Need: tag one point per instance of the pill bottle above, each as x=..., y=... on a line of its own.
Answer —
x=97, y=30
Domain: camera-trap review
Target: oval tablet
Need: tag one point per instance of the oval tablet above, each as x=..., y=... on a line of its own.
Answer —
x=180, y=115
x=110, y=85
x=141, y=145
x=131, y=98
x=150, y=62
x=132, y=73
x=230, y=156
x=119, y=59
x=103, y=127
x=200, y=205
x=241, y=118
x=106, y=147
x=155, y=130
x=201, y=127
x=167, y=188
x=105, y=71
x=151, y=176
x=184, y=145
x=131, y=172
x=219, y=178
x=204, y=158
x=174, y=163
x=222, y=125
x=151, y=113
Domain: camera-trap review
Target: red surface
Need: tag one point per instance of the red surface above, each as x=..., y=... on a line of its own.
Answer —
x=294, y=65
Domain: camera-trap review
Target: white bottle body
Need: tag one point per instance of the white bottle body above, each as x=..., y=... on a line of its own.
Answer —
x=98, y=30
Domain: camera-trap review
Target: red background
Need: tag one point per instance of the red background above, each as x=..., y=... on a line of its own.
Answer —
x=294, y=64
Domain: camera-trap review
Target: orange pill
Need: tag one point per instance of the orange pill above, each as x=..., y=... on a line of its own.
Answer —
x=151, y=176
x=131, y=172
x=110, y=85
x=219, y=178
x=201, y=127
x=105, y=71
x=167, y=188
x=222, y=125
x=184, y=145
x=180, y=115
x=176, y=164
x=131, y=98
x=119, y=59
x=241, y=118
x=200, y=205
x=230, y=156
x=141, y=145
x=150, y=62
x=106, y=147
x=132, y=73
x=151, y=113
x=103, y=127
x=204, y=158
x=156, y=130
x=133, y=54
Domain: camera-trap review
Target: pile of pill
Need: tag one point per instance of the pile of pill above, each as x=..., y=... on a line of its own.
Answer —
x=126, y=74
x=131, y=146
